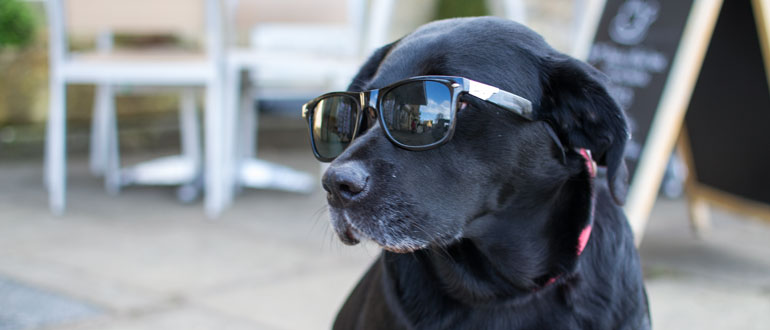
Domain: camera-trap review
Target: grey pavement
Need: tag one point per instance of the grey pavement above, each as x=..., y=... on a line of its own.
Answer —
x=143, y=260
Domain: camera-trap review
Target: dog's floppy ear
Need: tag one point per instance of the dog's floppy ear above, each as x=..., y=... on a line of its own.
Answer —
x=369, y=68
x=576, y=102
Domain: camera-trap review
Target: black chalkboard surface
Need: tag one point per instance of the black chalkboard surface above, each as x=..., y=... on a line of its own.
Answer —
x=728, y=119
x=652, y=51
x=635, y=44
x=705, y=59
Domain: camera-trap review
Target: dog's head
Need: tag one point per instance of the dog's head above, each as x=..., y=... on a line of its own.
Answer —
x=496, y=161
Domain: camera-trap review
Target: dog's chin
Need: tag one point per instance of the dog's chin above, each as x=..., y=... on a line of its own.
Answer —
x=348, y=234
x=351, y=234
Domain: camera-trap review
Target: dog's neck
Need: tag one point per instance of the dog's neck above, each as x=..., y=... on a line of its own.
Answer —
x=497, y=261
x=476, y=272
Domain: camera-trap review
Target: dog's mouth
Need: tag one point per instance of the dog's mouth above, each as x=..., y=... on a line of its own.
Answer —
x=351, y=232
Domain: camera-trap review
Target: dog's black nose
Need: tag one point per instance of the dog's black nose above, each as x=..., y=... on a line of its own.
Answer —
x=345, y=182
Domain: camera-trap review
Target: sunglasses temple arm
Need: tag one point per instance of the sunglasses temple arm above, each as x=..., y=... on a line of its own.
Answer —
x=513, y=103
x=501, y=98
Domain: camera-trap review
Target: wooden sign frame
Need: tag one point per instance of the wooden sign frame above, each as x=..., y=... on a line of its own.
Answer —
x=669, y=117
x=666, y=130
x=670, y=112
x=701, y=196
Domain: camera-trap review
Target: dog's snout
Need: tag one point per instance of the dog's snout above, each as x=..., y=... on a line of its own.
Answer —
x=346, y=182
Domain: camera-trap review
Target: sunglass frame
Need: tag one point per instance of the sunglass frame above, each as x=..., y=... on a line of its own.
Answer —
x=457, y=87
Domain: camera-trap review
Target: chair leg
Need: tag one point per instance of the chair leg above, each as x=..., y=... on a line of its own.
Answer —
x=700, y=216
x=214, y=157
x=189, y=127
x=251, y=171
x=112, y=173
x=189, y=131
x=249, y=119
x=100, y=130
x=231, y=139
x=56, y=146
x=244, y=120
x=246, y=145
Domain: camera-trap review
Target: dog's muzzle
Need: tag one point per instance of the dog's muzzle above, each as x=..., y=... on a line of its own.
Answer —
x=345, y=184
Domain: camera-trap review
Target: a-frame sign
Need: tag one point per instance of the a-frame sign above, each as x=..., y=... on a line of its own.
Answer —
x=654, y=51
x=726, y=141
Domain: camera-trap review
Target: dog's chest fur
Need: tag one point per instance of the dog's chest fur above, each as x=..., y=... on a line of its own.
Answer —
x=411, y=291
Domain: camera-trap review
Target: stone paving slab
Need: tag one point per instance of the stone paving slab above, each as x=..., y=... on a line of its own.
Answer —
x=686, y=303
x=171, y=318
x=736, y=250
x=147, y=261
x=25, y=307
x=107, y=293
x=307, y=300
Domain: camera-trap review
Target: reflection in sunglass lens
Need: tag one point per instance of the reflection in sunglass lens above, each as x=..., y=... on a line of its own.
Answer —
x=334, y=122
x=418, y=113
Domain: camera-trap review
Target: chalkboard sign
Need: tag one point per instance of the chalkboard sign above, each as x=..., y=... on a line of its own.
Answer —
x=634, y=46
x=729, y=114
x=652, y=51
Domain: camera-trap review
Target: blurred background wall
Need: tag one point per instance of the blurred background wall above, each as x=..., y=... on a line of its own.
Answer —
x=149, y=122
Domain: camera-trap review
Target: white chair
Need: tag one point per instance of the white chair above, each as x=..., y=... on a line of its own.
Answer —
x=292, y=54
x=110, y=71
x=511, y=9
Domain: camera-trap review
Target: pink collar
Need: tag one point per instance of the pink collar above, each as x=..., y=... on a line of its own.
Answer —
x=585, y=234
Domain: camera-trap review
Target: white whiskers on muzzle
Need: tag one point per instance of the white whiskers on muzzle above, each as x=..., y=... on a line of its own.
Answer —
x=378, y=229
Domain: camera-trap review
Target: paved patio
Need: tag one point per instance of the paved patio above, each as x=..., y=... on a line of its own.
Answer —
x=142, y=260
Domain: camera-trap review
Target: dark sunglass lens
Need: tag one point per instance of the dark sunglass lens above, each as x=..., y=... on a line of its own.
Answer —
x=334, y=122
x=418, y=113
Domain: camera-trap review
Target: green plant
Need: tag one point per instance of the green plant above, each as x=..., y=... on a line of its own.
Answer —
x=17, y=23
x=460, y=8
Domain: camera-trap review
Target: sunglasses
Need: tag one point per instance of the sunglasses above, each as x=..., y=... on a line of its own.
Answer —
x=416, y=114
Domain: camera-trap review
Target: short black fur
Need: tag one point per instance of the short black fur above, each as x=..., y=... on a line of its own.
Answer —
x=482, y=232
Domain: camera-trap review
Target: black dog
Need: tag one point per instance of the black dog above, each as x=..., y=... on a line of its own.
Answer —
x=504, y=226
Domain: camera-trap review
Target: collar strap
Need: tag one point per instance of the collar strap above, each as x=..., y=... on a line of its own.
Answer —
x=585, y=234
x=590, y=163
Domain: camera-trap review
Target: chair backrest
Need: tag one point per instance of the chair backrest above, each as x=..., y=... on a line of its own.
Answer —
x=190, y=20
x=378, y=21
x=177, y=17
x=264, y=20
x=252, y=12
